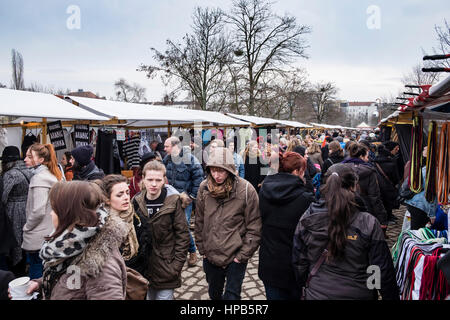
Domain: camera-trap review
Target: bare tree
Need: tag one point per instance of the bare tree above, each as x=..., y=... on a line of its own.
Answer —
x=323, y=96
x=129, y=92
x=443, y=38
x=17, y=70
x=199, y=65
x=417, y=77
x=264, y=43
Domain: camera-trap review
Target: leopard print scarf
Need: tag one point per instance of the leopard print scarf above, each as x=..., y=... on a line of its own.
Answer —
x=57, y=254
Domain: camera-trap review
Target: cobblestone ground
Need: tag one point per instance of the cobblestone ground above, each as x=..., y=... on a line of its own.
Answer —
x=195, y=287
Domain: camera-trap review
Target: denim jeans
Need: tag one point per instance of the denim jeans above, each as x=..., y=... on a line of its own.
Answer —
x=234, y=274
x=188, y=212
x=274, y=293
x=166, y=294
x=36, y=267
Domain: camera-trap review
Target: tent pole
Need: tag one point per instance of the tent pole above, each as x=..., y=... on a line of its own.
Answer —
x=24, y=132
x=169, y=129
x=44, y=130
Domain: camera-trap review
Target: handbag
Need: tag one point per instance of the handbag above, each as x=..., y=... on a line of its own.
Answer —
x=405, y=192
x=313, y=272
x=137, y=285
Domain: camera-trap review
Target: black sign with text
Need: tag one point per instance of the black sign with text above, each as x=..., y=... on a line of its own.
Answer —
x=56, y=134
x=81, y=136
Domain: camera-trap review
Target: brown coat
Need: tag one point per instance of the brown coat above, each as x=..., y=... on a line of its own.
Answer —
x=169, y=235
x=229, y=228
x=101, y=266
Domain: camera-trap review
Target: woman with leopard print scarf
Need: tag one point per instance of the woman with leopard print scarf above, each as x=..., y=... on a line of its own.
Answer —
x=81, y=257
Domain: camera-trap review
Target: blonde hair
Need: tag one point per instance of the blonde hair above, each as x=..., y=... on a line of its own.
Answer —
x=314, y=148
x=154, y=165
x=247, y=149
x=292, y=144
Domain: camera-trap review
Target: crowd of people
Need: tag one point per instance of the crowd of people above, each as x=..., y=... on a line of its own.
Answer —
x=309, y=203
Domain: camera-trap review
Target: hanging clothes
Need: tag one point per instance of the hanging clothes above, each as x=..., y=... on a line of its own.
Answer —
x=415, y=181
x=415, y=256
x=431, y=171
x=107, y=153
x=444, y=164
x=28, y=140
x=131, y=150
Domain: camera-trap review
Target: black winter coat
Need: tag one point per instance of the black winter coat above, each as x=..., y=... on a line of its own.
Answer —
x=7, y=238
x=388, y=189
x=253, y=172
x=283, y=199
x=332, y=159
x=344, y=278
x=368, y=188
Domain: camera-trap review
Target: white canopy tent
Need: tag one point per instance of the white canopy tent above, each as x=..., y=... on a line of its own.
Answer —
x=33, y=106
x=144, y=115
x=327, y=126
x=259, y=121
x=294, y=124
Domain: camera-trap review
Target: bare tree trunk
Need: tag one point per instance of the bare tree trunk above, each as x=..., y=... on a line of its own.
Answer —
x=17, y=70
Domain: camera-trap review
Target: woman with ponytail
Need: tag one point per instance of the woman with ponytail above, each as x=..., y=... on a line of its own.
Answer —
x=282, y=200
x=39, y=225
x=350, y=241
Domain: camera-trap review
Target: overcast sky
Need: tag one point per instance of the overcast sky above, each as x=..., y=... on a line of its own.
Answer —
x=115, y=37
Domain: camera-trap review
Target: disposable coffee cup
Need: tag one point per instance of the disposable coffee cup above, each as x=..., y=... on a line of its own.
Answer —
x=18, y=289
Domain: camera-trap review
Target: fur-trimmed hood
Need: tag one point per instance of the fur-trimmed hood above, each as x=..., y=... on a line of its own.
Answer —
x=101, y=247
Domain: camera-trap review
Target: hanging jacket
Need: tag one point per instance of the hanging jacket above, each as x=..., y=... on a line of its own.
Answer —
x=283, y=199
x=344, y=278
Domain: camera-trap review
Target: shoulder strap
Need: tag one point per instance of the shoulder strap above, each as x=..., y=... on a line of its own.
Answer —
x=317, y=266
x=382, y=172
x=330, y=161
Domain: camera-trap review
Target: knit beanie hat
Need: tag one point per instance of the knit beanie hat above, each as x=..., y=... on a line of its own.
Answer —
x=83, y=155
x=147, y=157
x=10, y=153
x=300, y=150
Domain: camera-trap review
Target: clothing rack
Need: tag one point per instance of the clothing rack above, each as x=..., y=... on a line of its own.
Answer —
x=415, y=256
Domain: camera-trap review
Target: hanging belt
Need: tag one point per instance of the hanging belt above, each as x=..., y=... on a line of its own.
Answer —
x=444, y=164
x=416, y=155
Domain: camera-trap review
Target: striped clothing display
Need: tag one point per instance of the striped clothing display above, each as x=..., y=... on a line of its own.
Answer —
x=131, y=151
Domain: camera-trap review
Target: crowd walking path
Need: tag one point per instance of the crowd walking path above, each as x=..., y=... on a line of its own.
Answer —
x=195, y=287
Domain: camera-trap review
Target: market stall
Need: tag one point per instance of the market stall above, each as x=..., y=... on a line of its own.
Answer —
x=424, y=121
x=36, y=113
